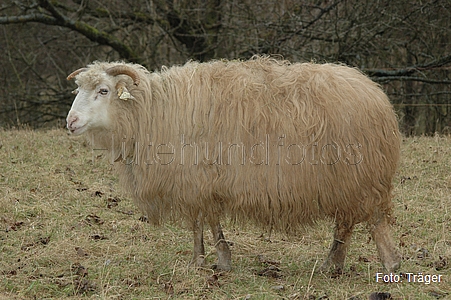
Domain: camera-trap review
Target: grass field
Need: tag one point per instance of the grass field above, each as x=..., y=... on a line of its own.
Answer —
x=68, y=232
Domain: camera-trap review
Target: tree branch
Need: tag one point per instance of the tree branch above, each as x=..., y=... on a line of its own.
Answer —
x=409, y=70
x=33, y=17
x=90, y=32
x=304, y=28
x=409, y=78
x=199, y=35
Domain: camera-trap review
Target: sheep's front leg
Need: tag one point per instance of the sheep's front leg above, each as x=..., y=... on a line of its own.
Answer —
x=199, y=250
x=222, y=247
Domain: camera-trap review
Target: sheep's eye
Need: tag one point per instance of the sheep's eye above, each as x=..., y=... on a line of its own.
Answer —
x=103, y=92
x=75, y=92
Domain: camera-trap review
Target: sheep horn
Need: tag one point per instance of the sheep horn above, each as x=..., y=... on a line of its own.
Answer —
x=75, y=73
x=126, y=70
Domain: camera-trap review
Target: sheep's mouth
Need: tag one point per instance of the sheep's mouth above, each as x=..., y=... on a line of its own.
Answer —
x=78, y=130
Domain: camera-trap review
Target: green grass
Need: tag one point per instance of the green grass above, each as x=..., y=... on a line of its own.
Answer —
x=68, y=232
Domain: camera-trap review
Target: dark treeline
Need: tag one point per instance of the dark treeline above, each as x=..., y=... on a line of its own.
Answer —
x=403, y=45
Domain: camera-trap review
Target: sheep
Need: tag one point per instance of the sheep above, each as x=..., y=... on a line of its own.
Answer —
x=277, y=143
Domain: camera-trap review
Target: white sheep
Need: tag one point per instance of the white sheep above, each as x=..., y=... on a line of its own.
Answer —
x=264, y=140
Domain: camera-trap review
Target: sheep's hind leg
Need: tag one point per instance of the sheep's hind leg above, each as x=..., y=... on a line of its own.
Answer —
x=380, y=231
x=338, y=249
x=199, y=250
x=222, y=247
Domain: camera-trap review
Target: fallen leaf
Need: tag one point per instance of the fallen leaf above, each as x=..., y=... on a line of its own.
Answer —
x=364, y=259
x=98, y=237
x=144, y=219
x=380, y=296
x=81, y=252
x=168, y=288
x=112, y=202
x=79, y=270
x=83, y=285
x=9, y=273
x=42, y=241
x=441, y=263
x=15, y=226
x=213, y=281
x=422, y=253
x=265, y=261
x=271, y=271
x=437, y=294
x=94, y=219
x=97, y=194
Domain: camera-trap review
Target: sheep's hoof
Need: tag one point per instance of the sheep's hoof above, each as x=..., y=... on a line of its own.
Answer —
x=330, y=268
x=198, y=262
x=324, y=268
x=221, y=268
x=393, y=267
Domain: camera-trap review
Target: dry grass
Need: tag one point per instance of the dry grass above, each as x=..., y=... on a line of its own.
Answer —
x=67, y=231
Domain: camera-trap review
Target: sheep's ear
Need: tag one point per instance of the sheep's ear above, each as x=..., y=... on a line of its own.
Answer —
x=123, y=93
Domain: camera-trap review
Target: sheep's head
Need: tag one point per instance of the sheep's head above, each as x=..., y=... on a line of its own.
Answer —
x=97, y=89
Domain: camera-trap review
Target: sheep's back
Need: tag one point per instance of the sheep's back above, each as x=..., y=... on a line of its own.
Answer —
x=279, y=143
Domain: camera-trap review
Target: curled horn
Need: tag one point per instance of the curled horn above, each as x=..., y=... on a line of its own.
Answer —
x=126, y=70
x=75, y=73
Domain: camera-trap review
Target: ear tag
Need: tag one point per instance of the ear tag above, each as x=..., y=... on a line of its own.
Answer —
x=124, y=94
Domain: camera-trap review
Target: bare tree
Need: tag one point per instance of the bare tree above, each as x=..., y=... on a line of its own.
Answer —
x=404, y=46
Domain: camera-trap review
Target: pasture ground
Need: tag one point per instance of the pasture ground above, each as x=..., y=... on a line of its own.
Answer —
x=68, y=232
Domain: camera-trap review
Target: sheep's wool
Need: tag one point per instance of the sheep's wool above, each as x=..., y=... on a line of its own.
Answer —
x=265, y=140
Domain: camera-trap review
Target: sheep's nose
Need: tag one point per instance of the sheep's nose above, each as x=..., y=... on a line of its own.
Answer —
x=70, y=121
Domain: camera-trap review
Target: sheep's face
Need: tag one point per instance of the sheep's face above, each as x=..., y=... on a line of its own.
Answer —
x=99, y=86
x=90, y=108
